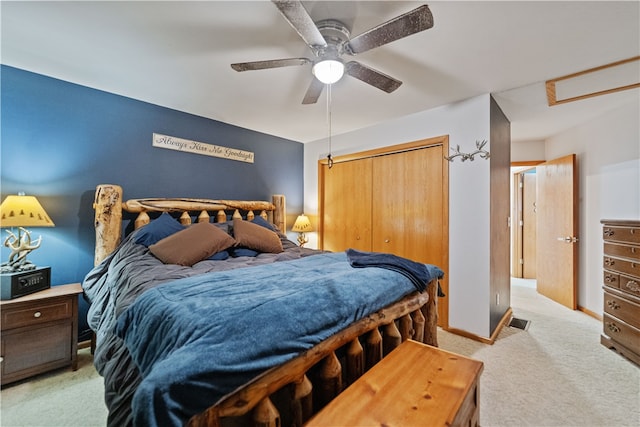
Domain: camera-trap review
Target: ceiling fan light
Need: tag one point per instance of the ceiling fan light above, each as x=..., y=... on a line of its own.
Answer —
x=328, y=71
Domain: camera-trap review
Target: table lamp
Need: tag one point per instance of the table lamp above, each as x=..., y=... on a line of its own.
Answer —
x=21, y=211
x=302, y=225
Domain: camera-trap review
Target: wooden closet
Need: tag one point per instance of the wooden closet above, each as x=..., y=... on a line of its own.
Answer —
x=393, y=200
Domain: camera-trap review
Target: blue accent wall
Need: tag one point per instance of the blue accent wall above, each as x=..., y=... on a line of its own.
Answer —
x=59, y=140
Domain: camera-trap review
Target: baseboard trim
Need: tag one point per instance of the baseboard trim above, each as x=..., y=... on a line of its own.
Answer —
x=590, y=313
x=504, y=321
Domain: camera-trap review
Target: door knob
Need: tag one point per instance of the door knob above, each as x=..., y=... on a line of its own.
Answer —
x=568, y=239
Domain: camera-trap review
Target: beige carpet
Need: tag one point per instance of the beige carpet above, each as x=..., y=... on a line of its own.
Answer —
x=556, y=373
x=61, y=398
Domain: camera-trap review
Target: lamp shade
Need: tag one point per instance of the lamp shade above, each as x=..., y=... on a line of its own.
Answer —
x=23, y=211
x=328, y=71
x=302, y=224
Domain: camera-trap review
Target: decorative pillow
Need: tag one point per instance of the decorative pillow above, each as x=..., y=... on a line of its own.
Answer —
x=256, y=237
x=163, y=226
x=219, y=256
x=263, y=223
x=236, y=252
x=191, y=245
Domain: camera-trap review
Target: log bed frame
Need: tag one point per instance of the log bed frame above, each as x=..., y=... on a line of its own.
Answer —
x=316, y=376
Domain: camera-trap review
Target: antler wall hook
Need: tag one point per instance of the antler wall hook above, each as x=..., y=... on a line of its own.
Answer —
x=469, y=156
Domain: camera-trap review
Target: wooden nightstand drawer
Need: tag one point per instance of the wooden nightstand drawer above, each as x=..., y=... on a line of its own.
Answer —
x=39, y=332
x=36, y=313
x=46, y=347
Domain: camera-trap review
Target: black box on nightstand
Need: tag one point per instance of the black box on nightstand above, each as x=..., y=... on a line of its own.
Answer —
x=23, y=283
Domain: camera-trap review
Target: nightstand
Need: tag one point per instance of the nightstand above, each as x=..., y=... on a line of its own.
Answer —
x=39, y=332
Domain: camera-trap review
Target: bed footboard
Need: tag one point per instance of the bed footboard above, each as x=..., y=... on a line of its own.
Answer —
x=314, y=378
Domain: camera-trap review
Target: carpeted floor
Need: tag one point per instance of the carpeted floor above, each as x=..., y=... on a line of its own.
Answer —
x=555, y=373
x=61, y=398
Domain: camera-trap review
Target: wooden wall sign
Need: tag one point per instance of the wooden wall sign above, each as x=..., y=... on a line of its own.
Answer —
x=195, y=147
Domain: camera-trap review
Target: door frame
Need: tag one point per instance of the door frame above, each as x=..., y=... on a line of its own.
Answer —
x=516, y=210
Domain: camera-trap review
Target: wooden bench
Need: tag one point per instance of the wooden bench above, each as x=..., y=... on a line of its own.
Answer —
x=415, y=385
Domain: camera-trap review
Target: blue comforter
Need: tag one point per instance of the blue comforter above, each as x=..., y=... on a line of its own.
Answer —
x=197, y=339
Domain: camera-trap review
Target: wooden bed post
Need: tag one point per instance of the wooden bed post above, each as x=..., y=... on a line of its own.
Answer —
x=430, y=312
x=108, y=219
x=280, y=213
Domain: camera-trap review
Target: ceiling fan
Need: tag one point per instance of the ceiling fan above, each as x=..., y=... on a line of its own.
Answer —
x=330, y=39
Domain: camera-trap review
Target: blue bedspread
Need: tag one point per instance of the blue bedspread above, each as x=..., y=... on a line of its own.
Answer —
x=197, y=339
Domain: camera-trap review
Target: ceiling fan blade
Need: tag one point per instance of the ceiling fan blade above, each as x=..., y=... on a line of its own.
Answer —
x=314, y=91
x=295, y=13
x=412, y=22
x=371, y=76
x=273, y=63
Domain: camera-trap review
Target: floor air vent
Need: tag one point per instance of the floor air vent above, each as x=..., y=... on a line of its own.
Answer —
x=519, y=323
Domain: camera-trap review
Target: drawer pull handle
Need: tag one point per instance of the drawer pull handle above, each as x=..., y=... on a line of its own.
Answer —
x=1, y=359
x=609, y=279
x=612, y=327
x=632, y=285
x=37, y=314
x=387, y=240
x=609, y=261
x=613, y=305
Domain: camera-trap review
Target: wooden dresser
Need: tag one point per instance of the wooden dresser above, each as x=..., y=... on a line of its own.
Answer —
x=39, y=332
x=621, y=317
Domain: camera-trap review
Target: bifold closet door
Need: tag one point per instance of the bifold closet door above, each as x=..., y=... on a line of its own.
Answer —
x=346, y=205
x=408, y=198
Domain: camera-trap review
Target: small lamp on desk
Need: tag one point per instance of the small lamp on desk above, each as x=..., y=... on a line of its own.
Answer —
x=301, y=226
x=21, y=211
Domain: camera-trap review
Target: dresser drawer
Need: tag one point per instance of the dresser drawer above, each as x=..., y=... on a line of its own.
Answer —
x=622, y=250
x=622, y=309
x=33, y=314
x=621, y=332
x=621, y=234
x=611, y=279
x=630, y=284
x=622, y=266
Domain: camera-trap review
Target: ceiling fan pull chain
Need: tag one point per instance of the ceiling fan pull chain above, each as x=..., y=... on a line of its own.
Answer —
x=329, y=159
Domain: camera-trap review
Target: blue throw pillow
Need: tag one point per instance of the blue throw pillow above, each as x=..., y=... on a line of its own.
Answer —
x=219, y=256
x=163, y=226
x=263, y=223
x=236, y=252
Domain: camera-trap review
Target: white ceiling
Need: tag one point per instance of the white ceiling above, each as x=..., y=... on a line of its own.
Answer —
x=177, y=54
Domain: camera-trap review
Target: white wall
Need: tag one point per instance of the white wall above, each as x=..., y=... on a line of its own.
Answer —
x=527, y=151
x=464, y=122
x=608, y=153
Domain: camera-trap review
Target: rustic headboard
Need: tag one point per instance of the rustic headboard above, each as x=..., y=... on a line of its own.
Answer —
x=108, y=206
